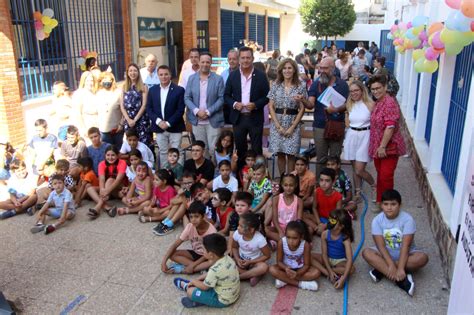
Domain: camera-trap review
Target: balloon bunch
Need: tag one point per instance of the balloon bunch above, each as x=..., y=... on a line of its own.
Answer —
x=429, y=41
x=44, y=23
x=85, y=54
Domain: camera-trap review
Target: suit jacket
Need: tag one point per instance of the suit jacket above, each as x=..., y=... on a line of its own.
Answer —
x=258, y=95
x=215, y=99
x=174, y=108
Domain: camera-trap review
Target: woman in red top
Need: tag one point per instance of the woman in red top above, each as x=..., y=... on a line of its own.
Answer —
x=111, y=179
x=386, y=142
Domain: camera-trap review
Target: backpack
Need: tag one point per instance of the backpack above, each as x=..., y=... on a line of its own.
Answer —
x=392, y=85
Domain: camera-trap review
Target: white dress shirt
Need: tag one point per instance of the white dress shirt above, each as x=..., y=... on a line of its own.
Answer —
x=163, y=95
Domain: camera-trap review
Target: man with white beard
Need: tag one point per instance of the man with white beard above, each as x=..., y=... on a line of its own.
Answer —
x=327, y=147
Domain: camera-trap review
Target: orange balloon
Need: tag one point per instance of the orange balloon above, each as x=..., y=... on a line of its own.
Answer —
x=433, y=28
x=439, y=51
x=467, y=8
x=37, y=16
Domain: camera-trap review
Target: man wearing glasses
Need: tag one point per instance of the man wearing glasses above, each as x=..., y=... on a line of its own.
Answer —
x=198, y=164
x=324, y=146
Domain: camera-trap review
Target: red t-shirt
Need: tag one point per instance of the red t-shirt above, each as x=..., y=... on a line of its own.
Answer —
x=223, y=216
x=163, y=198
x=90, y=178
x=326, y=203
x=121, y=168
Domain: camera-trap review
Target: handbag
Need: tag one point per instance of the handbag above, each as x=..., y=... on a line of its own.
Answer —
x=334, y=130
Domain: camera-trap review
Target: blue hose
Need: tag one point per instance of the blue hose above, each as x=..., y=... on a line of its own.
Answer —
x=359, y=247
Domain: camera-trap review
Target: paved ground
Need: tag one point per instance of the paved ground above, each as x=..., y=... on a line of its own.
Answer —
x=112, y=266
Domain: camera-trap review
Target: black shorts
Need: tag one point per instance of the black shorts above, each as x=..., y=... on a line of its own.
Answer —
x=195, y=255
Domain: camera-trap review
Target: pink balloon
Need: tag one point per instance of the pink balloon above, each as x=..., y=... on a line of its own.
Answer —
x=472, y=26
x=409, y=25
x=453, y=4
x=393, y=29
x=436, y=41
x=402, y=26
x=40, y=35
x=423, y=36
x=38, y=25
x=431, y=54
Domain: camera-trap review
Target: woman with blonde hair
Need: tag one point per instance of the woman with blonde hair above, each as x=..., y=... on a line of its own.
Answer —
x=356, y=142
x=85, y=103
x=287, y=96
x=110, y=115
x=62, y=109
x=133, y=105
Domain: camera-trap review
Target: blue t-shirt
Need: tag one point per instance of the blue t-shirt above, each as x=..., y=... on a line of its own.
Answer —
x=394, y=230
x=319, y=110
x=97, y=155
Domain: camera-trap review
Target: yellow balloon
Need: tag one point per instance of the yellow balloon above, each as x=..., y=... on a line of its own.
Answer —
x=417, y=54
x=46, y=20
x=419, y=64
x=448, y=36
x=416, y=30
x=430, y=66
x=53, y=23
x=453, y=49
x=47, y=29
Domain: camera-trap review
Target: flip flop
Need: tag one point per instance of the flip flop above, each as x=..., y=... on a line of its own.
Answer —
x=181, y=284
x=188, y=303
x=112, y=212
x=93, y=214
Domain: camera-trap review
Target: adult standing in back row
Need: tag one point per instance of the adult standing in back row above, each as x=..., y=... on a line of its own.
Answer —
x=246, y=93
x=328, y=121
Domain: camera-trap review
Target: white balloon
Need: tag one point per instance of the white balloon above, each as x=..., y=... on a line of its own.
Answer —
x=48, y=12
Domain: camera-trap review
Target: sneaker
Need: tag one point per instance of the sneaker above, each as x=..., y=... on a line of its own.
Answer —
x=279, y=284
x=254, y=281
x=49, y=229
x=7, y=214
x=375, y=275
x=37, y=228
x=158, y=227
x=407, y=285
x=31, y=211
x=164, y=230
x=308, y=285
x=181, y=284
x=188, y=303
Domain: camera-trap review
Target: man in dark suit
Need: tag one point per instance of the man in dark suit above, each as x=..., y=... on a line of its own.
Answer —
x=246, y=94
x=165, y=107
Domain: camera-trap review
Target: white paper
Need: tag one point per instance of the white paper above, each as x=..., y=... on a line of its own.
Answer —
x=330, y=95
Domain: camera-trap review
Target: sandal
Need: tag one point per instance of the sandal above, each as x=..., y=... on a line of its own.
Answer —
x=357, y=197
x=93, y=214
x=123, y=211
x=374, y=193
x=181, y=284
x=112, y=212
x=144, y=219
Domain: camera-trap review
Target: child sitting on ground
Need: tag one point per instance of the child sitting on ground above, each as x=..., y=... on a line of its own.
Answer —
x=60, y=205
x=173, y=165
x=307, y=181
x=22, y=189
x=260, y=187
x=159, y=206
x=287, y=207
x=97, y=149
x=220, y=287
x=225, y=179
x=325, y=199
x=88, y=178
x=7, y=154
x=41, y=148
x=201, y=193
x=178, y=204
x=250, y=249
x=139, y=192
x=335, y=260
x=72, y=149
x=293, y=263
x=192, y=260
x=220, y=202
x=394, y=255
x=343, y=186
x=132, y=142
x=111, y=179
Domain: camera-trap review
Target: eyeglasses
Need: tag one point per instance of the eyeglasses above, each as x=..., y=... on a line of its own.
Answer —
x=332, y=221
x=376, y=88
x=215, y=198
x=187, y=184
x=355, y=91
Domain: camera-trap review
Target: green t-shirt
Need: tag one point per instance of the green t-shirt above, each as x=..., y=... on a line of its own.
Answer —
x=223, y=277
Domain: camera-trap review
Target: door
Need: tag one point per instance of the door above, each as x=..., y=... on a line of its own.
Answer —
x=175, y=46
x=202, y=35
x=417, y=93
x=387, y=50
x=431, y=101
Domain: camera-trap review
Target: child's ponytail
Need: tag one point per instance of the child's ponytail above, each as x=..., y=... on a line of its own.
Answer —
x=300, y=227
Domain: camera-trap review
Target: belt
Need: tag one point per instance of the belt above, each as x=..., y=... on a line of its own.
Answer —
x=286, y=111
x=360, y=129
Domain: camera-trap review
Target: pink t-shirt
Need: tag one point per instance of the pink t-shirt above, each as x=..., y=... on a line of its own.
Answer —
x=163, y=198
x=191, y=234
x=121, y=168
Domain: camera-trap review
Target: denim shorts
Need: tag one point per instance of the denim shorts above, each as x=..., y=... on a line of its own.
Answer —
x=4, y=174
x=56, y=212
x=208, y=297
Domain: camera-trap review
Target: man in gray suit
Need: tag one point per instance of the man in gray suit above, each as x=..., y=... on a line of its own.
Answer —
x=204, y=99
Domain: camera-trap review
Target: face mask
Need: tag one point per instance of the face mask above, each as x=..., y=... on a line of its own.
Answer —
x=107, y=85
x=331, y=223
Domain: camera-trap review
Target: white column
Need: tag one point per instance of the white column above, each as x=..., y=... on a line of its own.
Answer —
x=441, y=112
x=422, y=109
x=406, y=81
x=412, y=76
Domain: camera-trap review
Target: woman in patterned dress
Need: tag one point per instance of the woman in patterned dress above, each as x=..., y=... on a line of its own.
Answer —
x=133, y=105
x=386, y=142
x=287, y=96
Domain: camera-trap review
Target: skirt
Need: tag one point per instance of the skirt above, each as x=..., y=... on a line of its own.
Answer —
x=356, y=146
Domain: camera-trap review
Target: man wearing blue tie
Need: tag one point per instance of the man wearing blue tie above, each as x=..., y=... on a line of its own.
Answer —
x=165, y=107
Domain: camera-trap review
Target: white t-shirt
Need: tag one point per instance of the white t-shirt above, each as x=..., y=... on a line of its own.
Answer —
x=147, y=155
x=252, y=249
x=232, y=185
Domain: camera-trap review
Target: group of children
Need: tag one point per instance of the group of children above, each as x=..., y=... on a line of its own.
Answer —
x=258, y=215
